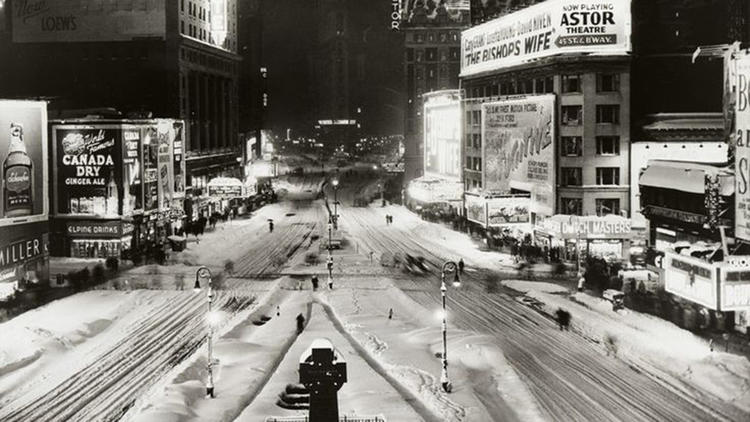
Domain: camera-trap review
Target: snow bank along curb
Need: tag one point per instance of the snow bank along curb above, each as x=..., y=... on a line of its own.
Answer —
x=181, y=394
x=644, y=343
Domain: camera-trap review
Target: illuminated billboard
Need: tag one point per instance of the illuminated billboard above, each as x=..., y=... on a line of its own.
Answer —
x=87, y=20
x=742, y=150
x=545, y=29
x=507, y=210
x=518, y=149
x=442, y=134
x=476, y=208
x=23, y=154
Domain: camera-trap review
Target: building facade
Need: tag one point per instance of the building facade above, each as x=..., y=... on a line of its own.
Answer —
x=432, y=50
x=175, y=59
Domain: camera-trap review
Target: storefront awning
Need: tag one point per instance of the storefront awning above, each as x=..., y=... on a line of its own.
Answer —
x=681, y=179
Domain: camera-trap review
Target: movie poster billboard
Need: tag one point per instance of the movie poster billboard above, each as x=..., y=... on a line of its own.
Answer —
x=546, y=29
x=508, y=210
x=165, y=137
x=132, y=170
x=476, y=208
x=518, y=149
x=150, y=168
x=86, y=20
x=23, y=154
x=88, y=172
x=442, y=135
x=742, y=148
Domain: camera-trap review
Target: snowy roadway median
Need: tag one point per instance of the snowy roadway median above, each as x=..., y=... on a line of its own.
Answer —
x=648, y=342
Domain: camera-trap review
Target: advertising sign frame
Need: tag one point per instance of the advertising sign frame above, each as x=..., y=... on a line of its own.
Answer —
x=442, y=134
x=116, y=166
x=38, y=154
x=521, y=207
x=742, y=148
x=476, y=208
x=519, y=141
x=85, y=21
x=550, y=28
x=692, y=279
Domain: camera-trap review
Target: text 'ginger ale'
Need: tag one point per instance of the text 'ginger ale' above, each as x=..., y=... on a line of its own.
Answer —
x=18, y=186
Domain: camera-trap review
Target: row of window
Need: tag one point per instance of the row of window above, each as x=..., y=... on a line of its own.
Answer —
x=474, y=163
x=605, y=176
x=572, y=115
x=605, y=82
x=194, y=10
x=432, y=37
x=572, y=146
x=604, y=206
x=194, y=31
x=432, y=54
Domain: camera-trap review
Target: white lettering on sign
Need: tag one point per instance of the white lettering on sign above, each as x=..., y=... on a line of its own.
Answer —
x=740, y=261
x=736, y=296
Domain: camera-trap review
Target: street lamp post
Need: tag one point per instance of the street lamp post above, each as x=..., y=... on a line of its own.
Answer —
x=204, y=272
x=447, y=267
x=335, y=204
x=329, y=261
x=575, y=220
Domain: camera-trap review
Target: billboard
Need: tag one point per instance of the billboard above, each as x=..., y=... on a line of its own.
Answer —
x=178, y=157
x=87, y=20
x=742, y=150
x=476, y=208
x=442, y=135
x=691, y=278
x=88, y=169
x=24, y=256
x=518, y=149
x=546, y=29
x=150, y=168
x=132, y=165
x=508, y=210
x=23, y=154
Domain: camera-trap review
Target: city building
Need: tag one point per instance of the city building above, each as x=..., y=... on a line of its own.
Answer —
x=354, y=71
x=432, y=49
x=536, y=53
x=144, y=58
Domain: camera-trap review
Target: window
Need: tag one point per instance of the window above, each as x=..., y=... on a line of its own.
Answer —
x=607, y=82
x=571, y=146
x=420, y=55
x=478, y=164
x=409, y=54
x=468, y=140
x=431, y=54
x=477, y=116
x=182, y=27
x=607, y=175
x=468, y=117
x=476, y=140
x=468, y=163
x=608, y=114
x=571, y=83
x=571, y=176
x=607, y=145
x=182, y=6
x=572, y=115
x=571, y=206
x=607, y=206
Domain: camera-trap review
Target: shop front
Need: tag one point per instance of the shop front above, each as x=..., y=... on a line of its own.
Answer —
x=113, y=184
x=426, y=191
x=607, y=237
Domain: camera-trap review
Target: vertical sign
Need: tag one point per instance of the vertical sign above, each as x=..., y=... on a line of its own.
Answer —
x=178, y=155
x=165, y=133
x=742, y=151
x=132, y=171
x=150, y=169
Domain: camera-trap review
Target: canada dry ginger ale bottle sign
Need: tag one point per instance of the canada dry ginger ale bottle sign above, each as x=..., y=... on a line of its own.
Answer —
x=18, y=173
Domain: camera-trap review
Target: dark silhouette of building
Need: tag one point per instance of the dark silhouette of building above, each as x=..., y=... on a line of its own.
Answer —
x=253, y=99
x=354, y=70
x=174, y=59
x=432, y=61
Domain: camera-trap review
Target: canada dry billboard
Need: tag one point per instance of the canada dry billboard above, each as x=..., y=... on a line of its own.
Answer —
x=549, y=28
x=518, y=149
x=442, y=135
x=88, y=169
x=87, y=20
x=742, y=151
x=23, y=154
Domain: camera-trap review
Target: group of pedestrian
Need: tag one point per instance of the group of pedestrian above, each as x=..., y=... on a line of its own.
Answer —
x=315, y=282
x=388, y=219
x=563, y=319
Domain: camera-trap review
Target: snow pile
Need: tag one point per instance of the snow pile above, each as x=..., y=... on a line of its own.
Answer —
x=527, y=286
x=653, y=343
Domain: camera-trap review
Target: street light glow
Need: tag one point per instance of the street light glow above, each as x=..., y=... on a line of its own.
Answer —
x=213, y=318
x=335, y=182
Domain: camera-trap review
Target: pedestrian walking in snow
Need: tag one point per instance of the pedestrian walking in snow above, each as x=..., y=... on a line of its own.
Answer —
x=461, y=266
x=711, y=344
x=330, y=283
x=390, y=313
x=387, y=220
x=315, y=282
x=563, y=318
x=581, y=282
x=300, y=323
x=270, y=226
